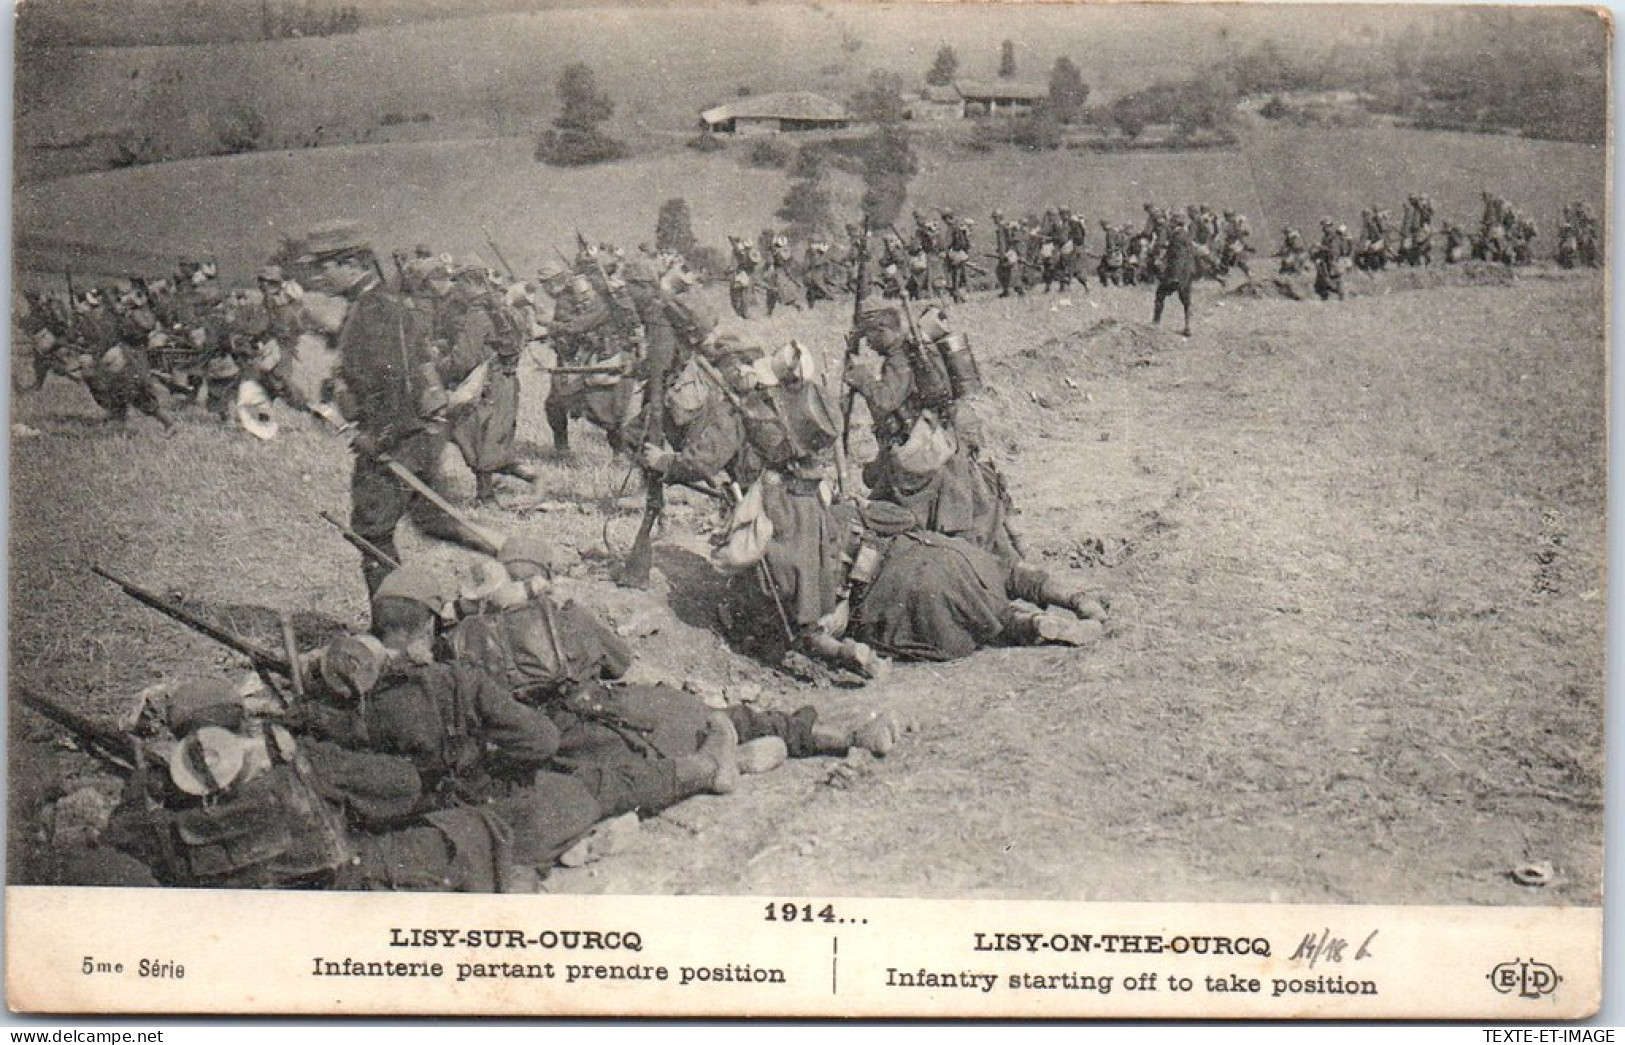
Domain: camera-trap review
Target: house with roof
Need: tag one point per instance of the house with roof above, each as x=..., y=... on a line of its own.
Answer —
x=937, y=103
x=785, y=111
x=999, y=97
x=973, y=98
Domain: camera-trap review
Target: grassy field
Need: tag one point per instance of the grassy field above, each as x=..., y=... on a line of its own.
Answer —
x=1355, y=550
x=662, y=64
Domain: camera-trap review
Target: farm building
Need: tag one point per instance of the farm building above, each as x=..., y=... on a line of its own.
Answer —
x=937, y=103
x=999, y=97
x=975, y=98
x=769, y=113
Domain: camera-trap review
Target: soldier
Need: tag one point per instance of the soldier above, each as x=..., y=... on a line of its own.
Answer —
x=958, y=259
x=116, y=374
x=1523, y=250
x=394, y=390
x=1456, y=246
x=780, y=284
x=819, y=270
x=1177, y=270
x=580, y=316
x=746, y=260
x=1234, y=248
x=475, y=746
x=1294, y=253
x=633, y=745
x=929, y=461
x=277, y=351
x=859, y=584
x=483, y=338
x=1011, y=264
x=894, y=265
x=1329, y=256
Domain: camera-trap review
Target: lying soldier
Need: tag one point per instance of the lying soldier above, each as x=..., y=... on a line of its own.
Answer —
x=223, y=794
x=561, y=662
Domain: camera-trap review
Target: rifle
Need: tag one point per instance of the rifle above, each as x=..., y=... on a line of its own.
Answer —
x=485, y=540
x=1019, y=260
x=603, y=368
x=853, y=340
x=104, y=742
x=73, y=310
x=492, y=243
x=264, y=660
x=361, y=544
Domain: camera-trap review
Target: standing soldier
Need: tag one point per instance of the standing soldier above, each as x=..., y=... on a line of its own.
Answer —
x=894, y=265
x=1235, y=248
x=1294, y=252
x=393, y=389
x=484, y=428
x=746, y=260
x=781, y=285
x=580, y=314
x=1176, y=272
x=818, y=270
x=959, y=258
x=1329, y=255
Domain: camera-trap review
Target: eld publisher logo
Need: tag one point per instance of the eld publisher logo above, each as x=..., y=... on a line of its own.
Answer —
x=1526, y=979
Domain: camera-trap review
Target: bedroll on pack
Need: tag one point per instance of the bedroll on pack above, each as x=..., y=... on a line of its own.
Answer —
x=963, y=375
x=789, y=422
x=540, y=648
x=268, y=831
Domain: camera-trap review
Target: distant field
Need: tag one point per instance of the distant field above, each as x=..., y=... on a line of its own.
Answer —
x=444, y=193
x=495, y=74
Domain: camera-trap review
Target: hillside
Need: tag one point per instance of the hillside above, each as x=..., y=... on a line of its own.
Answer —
x=1357, y=581
x=445, y=193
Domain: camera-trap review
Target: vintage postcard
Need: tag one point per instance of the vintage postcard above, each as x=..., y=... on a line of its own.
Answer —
x=565, y=507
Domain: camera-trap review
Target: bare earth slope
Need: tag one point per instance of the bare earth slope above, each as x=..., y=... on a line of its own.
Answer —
x=1355, y=550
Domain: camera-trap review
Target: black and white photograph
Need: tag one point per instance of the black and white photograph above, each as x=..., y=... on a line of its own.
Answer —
x=1089, y=454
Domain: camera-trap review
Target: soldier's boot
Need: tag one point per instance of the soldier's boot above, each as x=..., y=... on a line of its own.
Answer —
x=558, y=419
x=518, y=470
x=714, y=767
x=606, y=838
x=485, y=488
x=878, y=736
x=1036, y=586
x=1040, y=627
x=849, y=653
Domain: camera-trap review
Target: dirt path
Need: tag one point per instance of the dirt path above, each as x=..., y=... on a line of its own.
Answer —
x=1355, y=552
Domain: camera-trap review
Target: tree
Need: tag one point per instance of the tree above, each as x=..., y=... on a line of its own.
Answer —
x=674, y=228
x=584, y=105
x=881, y=101
x=944, y=68
x=888, y=164
x=575, y=139
x=1068, y=94
x=1007, y=60
x=806, y=208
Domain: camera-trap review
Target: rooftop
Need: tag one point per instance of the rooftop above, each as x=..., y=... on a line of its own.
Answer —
x=785, y=105
x=1001, y=89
